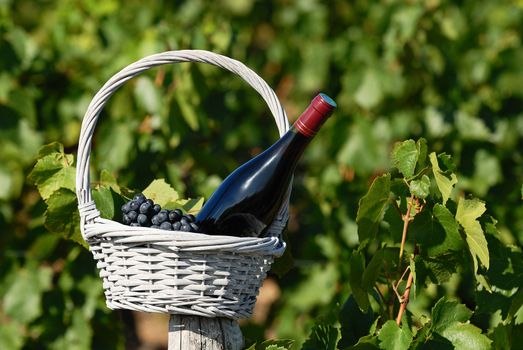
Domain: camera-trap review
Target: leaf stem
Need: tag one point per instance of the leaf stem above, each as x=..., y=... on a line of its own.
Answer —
x=405, y=298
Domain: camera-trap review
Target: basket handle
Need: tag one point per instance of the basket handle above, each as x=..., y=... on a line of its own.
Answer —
x=87, y=207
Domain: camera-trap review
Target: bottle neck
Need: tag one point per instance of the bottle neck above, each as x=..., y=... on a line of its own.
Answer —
x=311, y=120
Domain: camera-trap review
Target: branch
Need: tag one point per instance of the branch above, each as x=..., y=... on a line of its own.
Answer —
x=406, y=220
x=405, y=298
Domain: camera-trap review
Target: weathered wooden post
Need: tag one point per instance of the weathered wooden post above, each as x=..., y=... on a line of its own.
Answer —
x=204, y=333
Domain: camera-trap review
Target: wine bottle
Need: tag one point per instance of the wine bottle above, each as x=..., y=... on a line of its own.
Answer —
x=249, y=199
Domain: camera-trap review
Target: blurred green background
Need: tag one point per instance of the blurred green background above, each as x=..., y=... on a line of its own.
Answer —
x=451, y=72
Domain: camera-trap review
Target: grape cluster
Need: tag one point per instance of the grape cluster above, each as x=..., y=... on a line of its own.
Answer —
x=143, y=212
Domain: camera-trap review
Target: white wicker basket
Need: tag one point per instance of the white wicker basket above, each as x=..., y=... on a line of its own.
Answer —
x=152, y=270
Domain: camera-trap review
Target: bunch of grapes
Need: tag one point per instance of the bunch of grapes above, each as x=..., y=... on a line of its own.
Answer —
x=143, y=212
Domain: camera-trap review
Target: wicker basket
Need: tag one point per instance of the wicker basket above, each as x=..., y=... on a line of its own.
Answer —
x=152, y=270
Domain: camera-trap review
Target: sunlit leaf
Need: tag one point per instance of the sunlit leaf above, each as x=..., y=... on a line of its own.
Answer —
x=405, y=157
x=393, y=337
x=160, y=192
x=53, y=171
x=445, y=183
x=469, y=210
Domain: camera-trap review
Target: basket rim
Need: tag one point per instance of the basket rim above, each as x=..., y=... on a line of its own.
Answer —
x=110, y=231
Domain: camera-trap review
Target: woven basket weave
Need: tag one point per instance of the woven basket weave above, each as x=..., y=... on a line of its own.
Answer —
x=152, y=270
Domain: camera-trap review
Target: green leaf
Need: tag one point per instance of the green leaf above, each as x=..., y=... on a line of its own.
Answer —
x=422, y=147
x=354, y=323
x=437, y=269
x=23, y=300
x=356, y=268
x=392, y=337
x=275, y=344
x=323, y=337
x=420, y=188
x=161, y=192
x=108, y=202
x=275, y=347
x=448, y=312
x=452, y=240
x=450, y=320
x=62, y=216
x=472, y=128
x=190, y=205
x=53, y=171
x=372, y=271
x=445, y=183
x=465, y=336
x=405, y=157
x=148, y=95
x=11, y=336
x=367, y=342
x=371, y=208
x=322, y=277
x=369, y=93
x=107, y=179
x=53, y=147
x=436, y=232
x=469, y=210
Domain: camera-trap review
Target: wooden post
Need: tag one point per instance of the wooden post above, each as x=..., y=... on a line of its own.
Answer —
x=204, y=333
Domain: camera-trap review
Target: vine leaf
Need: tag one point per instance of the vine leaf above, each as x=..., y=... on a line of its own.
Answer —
x=62, y=215
x=467, y=213
x=421, y=187
x=53, y=171
x=392, y=337
x=357, y=265
x=452, y=239
x=322, y=337
x=371, y=208
x=450, y=320
x=444, y=181
x=161, y=192
x=447, y=312
x=405, y=156
x=354, y=323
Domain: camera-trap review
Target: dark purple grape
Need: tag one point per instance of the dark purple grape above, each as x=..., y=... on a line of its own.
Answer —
x=155, y=221
x=132, y=215
x=135, y=224
x=190, y=217
x=145, y=208
x=194, y=227
x=174, y=216
x=178, y=211
x=143, y=220
x=150, y=201
x=185, y=221
x=166, y=226
x=126, y=208
x=157, y=208
x=155, y=226
x=126, y=220
x=177, y=225
x=133, y=205
x=186, y=228
x=163, y=216
x=139, y=198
